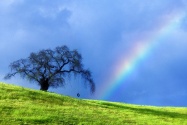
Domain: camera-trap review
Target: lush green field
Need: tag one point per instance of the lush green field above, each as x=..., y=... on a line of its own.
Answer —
x=19, y=106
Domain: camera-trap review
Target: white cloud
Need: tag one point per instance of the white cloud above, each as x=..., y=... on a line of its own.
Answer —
x=6, y=4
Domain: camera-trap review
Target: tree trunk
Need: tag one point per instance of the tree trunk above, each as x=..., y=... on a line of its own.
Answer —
x=44, y=84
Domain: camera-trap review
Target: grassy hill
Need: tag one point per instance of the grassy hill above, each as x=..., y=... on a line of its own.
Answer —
x=21, y=106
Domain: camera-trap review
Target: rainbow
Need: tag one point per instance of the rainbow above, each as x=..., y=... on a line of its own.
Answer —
x=140, y=51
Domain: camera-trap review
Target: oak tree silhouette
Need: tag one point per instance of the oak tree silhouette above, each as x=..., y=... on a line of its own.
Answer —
x=49, y=68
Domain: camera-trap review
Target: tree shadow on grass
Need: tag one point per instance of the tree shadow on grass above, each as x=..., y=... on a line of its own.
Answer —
x=145, y=110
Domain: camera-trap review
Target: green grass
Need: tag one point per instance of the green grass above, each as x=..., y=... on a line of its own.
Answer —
x=21, y=106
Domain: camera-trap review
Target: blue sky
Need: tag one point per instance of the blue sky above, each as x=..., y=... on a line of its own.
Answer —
x=101, y=31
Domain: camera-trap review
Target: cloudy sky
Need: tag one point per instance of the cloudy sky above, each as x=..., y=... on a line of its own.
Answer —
x=135, y=49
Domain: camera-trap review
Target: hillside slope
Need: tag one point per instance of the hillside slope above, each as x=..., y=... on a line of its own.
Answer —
x=19, y=105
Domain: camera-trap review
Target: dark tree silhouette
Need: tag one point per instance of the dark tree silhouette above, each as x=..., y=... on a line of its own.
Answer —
x=49, y=68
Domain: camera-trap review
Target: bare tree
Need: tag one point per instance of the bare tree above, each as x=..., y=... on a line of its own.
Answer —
x=49, y=68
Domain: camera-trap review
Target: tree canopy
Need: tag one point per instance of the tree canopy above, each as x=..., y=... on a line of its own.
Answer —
x=50, y=68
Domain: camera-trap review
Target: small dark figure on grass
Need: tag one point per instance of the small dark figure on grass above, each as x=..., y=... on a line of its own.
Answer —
x=78, y=94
